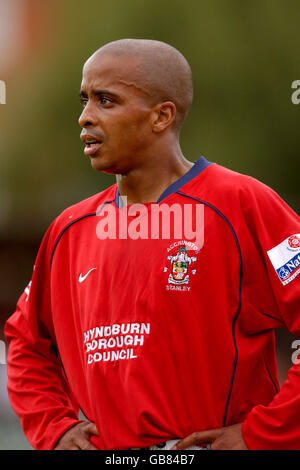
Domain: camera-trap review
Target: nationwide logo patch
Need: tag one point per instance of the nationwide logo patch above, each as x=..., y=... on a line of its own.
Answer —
x=285, y=258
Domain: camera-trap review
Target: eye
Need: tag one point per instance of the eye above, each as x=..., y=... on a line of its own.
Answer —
x=105, y=100
x=83, y=101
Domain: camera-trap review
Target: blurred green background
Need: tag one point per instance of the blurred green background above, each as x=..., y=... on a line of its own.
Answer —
x=244, y=57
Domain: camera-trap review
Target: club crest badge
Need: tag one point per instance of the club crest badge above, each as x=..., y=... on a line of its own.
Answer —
x=180, y=266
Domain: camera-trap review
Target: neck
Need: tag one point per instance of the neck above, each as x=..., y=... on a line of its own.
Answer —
x=149, y=179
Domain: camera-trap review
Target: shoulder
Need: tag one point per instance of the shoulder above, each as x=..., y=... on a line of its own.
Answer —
x=251, y=193
x=236, y=183
x=84, y=208
x=243, y=200
x=224, y=187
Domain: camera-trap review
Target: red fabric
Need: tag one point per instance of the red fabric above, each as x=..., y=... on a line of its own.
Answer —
x=37, y=387
x=176, y=371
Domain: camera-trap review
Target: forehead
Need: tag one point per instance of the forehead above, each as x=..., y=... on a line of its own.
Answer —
x=103, y=70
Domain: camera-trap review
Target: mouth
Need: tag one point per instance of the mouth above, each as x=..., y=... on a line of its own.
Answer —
x=92, y=147
x=92, y=144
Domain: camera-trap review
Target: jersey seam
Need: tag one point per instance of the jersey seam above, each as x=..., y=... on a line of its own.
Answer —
x=239, y=302
x=270, y=375
x=270, y=316
x=70, y=225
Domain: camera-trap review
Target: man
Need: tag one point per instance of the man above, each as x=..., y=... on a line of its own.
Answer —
x=158, y=335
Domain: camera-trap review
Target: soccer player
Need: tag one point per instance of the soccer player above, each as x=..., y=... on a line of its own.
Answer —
x=153, y=304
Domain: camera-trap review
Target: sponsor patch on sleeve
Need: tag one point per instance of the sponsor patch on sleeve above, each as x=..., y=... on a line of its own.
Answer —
x=285, y=258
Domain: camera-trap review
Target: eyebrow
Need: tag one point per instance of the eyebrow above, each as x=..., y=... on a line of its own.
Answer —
x=83, y=94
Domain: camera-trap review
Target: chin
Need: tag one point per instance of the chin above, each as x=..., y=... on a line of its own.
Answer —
x=101, y=164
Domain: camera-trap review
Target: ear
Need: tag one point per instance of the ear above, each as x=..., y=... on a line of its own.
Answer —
x=163, y=116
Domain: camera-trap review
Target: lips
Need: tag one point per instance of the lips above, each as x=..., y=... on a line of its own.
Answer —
x=92, y=142
x=92, y=148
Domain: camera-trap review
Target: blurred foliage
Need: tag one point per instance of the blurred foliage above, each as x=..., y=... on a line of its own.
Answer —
x=244, y=57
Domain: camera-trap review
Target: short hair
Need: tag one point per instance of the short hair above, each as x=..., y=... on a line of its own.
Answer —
x=162, y=72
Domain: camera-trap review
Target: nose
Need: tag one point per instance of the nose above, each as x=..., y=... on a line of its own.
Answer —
x=88, y=116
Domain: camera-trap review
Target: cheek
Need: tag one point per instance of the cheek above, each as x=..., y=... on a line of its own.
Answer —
x=129, y=133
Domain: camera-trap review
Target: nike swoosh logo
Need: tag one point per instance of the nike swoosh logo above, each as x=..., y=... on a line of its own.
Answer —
x=82, y=278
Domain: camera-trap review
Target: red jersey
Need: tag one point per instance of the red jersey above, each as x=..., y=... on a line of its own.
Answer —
x=156, y=335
